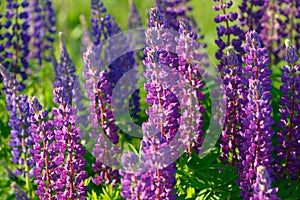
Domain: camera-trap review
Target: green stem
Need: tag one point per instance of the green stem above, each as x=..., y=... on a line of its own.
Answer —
x=28, y=186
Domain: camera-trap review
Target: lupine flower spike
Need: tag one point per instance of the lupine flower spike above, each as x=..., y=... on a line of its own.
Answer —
x=17, y=105
x=190, y=66
x=174, y=11
x=236, y=97
x=17, y=39
x=231, y=32
x=289, y=22
x=156, y=181
x=288, y=137
x=19, y=193
x=98, y=90
x=135, y=20
x=43, y=19
x=270, y=33
x=252, y=13
x=255, y=147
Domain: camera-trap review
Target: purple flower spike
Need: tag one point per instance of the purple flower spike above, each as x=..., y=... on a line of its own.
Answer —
x=158, y=181
x=191, y=67
x=100, y=21
x=271, y=28
x=252, y=13
x=57, y=151
x=288, y=162
x=103, y=27
x=44, y=28
x=2, y=46
x=98, y=90
x=19, y=193
x=64, y=72
x=230, y=69
x=135, y=20
x=255, y=147
x=289, y=23
x=235, y=96
x=174, y=11
x=18, y=108
x=16, y=39
x=232, y=32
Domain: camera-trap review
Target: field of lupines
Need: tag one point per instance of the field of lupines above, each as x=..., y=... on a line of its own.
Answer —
x=156, y=112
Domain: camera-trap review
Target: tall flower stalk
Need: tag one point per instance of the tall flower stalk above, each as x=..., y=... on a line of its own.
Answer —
x=251, y=16
x=255, y=148
x=98, y=90
x=19, y=193
x=42, y=31
x=17, y=105
x=288, y=136
x=174, y=11
x=289, y=22
x=228, y=35
x=270, y=33
x=64, y=71
x=135, y=20
x=191, y=68
x=57, y=151
x=100, y=21
x=158, y=180
x=230, y=68
x=235, y=96
x=17, y=39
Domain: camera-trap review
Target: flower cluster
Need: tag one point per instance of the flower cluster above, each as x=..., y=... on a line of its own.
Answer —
x=43, y=30
x=270, y=33
x=289, y=22
x=19, y=193
x=57, y=151
x=135, y=20
x=64, y=72
x=18, y=107
x=100, y=21
x=16, y=38
x=288, y=136
x=190, y=66
x=105, y=27
x=162, y=125
x=252, y=13
x=173, y=11
x=98, y=90
x=2, y=46
x=235, y=97
x=230, y=69
x=255, y=147
x=227, y=30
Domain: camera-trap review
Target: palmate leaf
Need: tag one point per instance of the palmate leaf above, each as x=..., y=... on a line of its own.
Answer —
x=109, y=193
x=207, y=178
x=93, y=196
x=288, y=189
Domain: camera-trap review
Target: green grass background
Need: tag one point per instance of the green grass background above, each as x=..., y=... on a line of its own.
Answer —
x=68, y=12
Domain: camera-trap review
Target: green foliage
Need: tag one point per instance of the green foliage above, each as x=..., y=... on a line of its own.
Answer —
x=288, y=190
x=206, y=178
x=108, y=193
